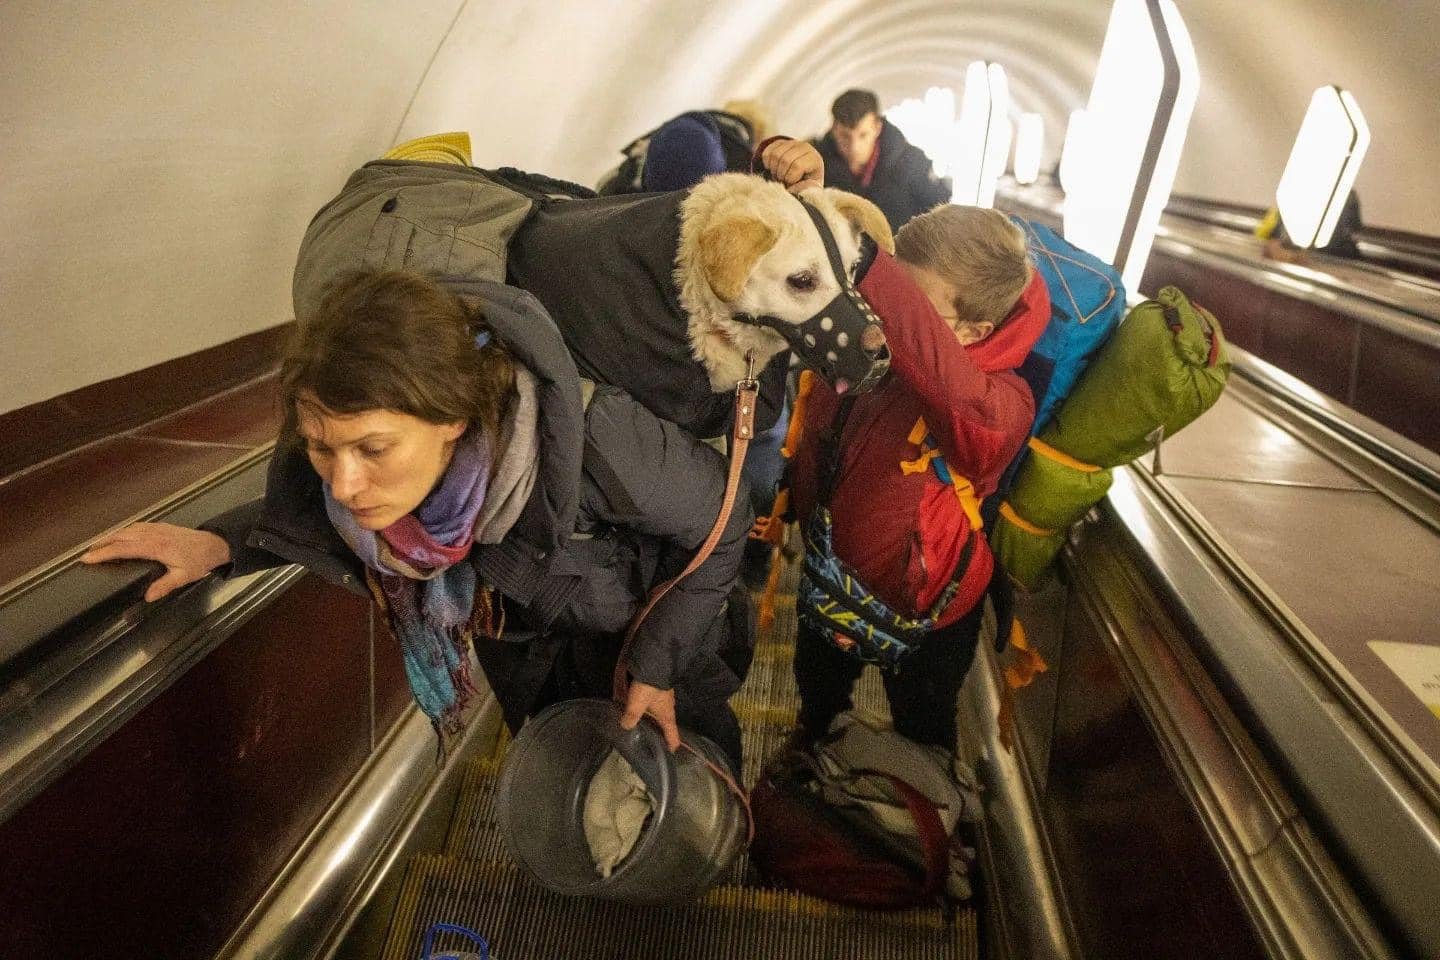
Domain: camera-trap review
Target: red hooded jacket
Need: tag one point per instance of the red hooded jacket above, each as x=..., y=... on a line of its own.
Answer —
x=897, y=523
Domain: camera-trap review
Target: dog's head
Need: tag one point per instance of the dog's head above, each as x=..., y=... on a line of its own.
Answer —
x=747, y=247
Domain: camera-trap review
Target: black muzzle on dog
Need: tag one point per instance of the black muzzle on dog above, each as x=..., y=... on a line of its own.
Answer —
x=833, y=341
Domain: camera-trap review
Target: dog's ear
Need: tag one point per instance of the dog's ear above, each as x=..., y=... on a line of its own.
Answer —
x=865, y=217
x=729, y=250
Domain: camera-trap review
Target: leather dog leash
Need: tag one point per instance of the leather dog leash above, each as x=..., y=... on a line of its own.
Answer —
x=743, y=431
x=741, y=434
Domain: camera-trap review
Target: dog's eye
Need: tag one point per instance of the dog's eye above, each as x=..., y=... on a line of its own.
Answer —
x=804, y=281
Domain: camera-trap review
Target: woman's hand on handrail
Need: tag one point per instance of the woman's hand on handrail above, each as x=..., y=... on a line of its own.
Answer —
x=187, y=555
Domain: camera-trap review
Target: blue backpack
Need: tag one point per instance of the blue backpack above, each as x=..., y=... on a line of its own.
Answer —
x=1087, y=302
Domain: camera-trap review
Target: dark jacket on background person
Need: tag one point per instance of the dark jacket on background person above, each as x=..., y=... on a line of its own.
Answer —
x=1342, y=240
x=621, y=502
x=605, y=270
x=904, y=184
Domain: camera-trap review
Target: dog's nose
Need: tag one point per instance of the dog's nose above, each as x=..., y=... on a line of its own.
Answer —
x=873, y=339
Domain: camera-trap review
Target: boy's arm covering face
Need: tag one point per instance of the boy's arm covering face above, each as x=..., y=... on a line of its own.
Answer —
x=980, y=420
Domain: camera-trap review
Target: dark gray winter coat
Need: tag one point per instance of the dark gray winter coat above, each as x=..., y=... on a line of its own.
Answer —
x=622, y=501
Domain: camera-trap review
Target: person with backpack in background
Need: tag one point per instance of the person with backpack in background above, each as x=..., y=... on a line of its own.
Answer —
x=1277, y=245
x=687, y=148
x=866, y=154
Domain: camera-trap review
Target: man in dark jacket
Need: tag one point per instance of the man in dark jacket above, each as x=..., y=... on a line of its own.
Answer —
x=866, y=154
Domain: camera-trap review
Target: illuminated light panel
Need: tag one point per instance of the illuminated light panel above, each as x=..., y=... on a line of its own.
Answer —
x=1140, y=104
x=1029, y=145
x=997, y=136
x=970, y=135
x=1071, y=149
x=982, y=135
x=1322, y=167
x=929, y=124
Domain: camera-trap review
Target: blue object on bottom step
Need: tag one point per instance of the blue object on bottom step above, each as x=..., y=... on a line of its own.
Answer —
x=438, y=928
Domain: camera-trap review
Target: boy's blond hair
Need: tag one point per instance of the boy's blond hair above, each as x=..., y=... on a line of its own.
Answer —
x=980, y=251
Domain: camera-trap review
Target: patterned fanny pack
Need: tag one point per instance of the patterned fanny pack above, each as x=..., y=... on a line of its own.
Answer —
x=834, y=602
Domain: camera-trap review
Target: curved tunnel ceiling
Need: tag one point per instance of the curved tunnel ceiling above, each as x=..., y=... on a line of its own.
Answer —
x=161, y=159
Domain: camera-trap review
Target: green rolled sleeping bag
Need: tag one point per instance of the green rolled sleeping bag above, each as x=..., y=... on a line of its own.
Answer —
x=1165, y=365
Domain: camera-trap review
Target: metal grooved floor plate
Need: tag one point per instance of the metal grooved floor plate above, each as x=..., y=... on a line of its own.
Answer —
x=474, y=884
x=523, y=922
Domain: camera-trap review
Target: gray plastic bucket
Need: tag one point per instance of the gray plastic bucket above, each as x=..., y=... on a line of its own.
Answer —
x=696, y=830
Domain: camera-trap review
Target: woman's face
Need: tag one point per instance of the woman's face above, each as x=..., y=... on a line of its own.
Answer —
x=379, y=464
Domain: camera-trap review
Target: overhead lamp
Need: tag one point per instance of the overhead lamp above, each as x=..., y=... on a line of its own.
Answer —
x=1140, y=104
x=982, y=136
x=999, y=135
x=1029, y=143
x=1322, y=167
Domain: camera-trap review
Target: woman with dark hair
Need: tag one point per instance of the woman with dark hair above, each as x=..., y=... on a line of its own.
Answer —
x=440, y=449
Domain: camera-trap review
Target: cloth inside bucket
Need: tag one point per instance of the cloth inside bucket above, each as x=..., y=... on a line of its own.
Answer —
x=617, y=805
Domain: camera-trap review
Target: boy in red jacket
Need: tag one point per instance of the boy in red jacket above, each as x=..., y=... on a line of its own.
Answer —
x=962, y=307
x=913, y=458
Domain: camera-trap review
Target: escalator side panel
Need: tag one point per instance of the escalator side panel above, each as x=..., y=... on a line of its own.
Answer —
x=1396, y=383
x=1142, y=878
x=162, y=838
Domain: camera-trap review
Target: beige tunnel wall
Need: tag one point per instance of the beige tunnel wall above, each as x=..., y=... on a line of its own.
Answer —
x=160, y=160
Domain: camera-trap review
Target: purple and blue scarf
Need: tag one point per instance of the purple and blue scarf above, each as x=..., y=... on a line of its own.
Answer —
x=417, y=574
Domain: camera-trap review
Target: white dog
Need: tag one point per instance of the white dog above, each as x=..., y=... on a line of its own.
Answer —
x=747, y=247
x=645, y=288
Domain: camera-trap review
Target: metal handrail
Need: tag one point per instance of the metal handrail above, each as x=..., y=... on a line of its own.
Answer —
x=1300, y=283
x=373, y=826
x=42, y=601
x=1405, y=457
x=81, y=652
x=1301, y=908
x=1330, y=756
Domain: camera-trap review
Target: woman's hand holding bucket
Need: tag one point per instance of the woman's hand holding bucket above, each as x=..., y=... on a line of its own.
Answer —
x=660, y=704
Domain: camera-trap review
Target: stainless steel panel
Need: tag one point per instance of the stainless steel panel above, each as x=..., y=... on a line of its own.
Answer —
x=1349, y=565
x=1383, y=822
x=1233, y=441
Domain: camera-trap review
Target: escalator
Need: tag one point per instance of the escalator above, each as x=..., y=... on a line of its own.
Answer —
x=1215, y=764
x=1225, y=758
x=471, y=881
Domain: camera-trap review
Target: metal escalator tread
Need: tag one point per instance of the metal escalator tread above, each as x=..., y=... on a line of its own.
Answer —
x=523, y=922
x=474, y=883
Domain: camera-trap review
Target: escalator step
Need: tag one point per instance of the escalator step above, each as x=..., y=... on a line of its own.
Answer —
x=474, y=883
x=522, y=921
x=474, y=832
